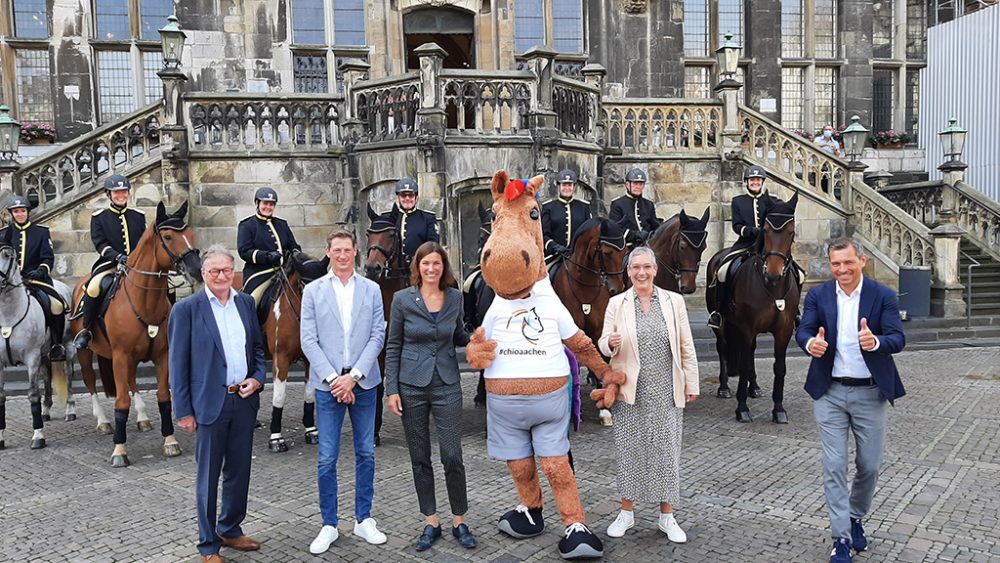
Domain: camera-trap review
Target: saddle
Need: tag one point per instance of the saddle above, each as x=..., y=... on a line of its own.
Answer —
x=109, y=288
x=268, y=298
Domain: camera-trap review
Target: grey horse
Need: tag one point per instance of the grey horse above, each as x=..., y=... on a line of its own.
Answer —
x=62, y=380
x=23, y=340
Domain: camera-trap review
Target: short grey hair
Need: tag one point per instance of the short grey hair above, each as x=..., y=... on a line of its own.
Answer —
x=217, y=250
x=642, y=250
x=843, y=243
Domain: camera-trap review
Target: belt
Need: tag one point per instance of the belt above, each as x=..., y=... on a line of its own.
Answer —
x=854, y=381
x=233, y=389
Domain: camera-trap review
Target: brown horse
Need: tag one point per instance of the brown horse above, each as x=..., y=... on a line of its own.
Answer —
x=384, y=265
x=678, y=244
x=134, y=328
x=765, y=298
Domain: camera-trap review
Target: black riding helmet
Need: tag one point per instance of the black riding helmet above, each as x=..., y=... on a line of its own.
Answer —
x=117, y=182
x=635, y=175
x=566, y=175
x=17, y=202
x=406, y=185
x=754, y=172
x=265, y=194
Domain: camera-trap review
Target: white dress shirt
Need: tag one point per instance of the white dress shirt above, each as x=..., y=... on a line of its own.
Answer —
x=344, y=293
x=847, y=361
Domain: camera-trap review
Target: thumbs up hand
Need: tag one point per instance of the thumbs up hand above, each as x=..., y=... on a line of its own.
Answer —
x=866, y=339
x=818, y=345
x=615, y=339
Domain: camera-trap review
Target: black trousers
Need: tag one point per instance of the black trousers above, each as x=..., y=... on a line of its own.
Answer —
x=445, y=403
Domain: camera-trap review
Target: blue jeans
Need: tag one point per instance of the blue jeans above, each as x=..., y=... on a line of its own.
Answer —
x=330, y=421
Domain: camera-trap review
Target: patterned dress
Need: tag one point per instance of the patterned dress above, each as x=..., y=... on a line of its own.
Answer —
x=648, y=433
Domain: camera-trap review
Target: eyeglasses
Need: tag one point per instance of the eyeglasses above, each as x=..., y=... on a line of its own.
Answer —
x=214, y=272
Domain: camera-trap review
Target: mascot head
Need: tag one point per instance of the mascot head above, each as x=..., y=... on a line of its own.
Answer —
x=512, y=259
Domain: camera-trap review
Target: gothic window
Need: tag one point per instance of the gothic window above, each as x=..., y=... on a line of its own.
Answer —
x=912, y=100
x=152, y=16
x=791, y=29
x=114, y=82
x=697, y=82
x=111, y=17
x=34, y=89
x=308, y=22
x=826, y=97
x=696, y=28
x=731, y=19
x=529, y=24
x=825, y=29
x=152, y=62
x=882, y=96
x=882, y=29
x=309, y=72
x=567, y=26
x=792, y=96
x=349, y=22
x=31, y=19
x=916, y=29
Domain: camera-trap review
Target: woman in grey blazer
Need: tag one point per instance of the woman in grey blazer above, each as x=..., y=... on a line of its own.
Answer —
x=422, y=378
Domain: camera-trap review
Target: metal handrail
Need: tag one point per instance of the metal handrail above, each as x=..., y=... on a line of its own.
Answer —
x=968, y=299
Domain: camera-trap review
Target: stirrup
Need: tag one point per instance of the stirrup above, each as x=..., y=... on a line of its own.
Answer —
x=715, y=319
x=83, y=338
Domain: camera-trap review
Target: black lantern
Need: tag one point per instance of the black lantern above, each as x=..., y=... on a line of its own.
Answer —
x=10, y=134
x=854, y=140
x=172, y=42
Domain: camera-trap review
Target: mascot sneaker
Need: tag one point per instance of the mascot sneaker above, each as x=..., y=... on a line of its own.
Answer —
x=580, y=543
x=522, y=522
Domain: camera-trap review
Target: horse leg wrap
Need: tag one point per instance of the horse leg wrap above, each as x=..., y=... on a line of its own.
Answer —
x=276, y=420
x=166, y=421
x=36, y=415
x=121, y=419
x=3, y=417
x=308, y=414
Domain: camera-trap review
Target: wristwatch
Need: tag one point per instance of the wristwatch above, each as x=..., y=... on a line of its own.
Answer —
x=357, y=376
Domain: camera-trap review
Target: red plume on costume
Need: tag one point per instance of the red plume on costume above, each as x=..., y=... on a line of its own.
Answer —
x=513, y=189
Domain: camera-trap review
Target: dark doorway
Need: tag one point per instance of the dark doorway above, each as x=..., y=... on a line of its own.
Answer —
x=451, y=29
x=470, y=225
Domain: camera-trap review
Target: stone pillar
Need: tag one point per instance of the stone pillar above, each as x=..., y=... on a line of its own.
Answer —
x=763, y=46
x=946, y=289
x=430, y=140
x=594, y=75
x=855, y=21
x=173, y=140
x=728, y=91
x=352, y=130
x=541, y=117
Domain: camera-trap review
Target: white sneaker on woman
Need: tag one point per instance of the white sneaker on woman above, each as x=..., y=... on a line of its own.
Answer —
x=368, y=530
x=669, y=526
x=625, y=520
x=327, y=535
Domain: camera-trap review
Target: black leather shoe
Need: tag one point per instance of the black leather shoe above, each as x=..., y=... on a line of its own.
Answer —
x=427, y=539
x=464, y=536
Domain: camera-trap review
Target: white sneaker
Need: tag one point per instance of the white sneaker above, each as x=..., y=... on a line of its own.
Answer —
x=368, y=530
x=327, y=535
x=625, y=520
x=669, y=526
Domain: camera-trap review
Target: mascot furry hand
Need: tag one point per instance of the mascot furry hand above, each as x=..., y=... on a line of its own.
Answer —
x=520, y=347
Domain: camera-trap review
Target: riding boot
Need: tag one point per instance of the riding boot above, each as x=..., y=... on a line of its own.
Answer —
x=715, y=317
x=57, y=326
x=90, y=306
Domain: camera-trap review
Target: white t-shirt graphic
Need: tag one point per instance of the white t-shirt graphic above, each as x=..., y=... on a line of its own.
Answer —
x=529, y=334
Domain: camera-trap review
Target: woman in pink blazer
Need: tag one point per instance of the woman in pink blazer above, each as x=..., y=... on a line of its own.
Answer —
x=647, y=335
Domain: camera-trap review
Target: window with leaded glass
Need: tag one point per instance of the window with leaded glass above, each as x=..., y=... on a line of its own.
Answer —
x=731, y=19
x=697, y=82
x=825, y=109
x=882, y=96
x=791, y=29
x=567, y=26
x=825, y=29
x=916, y=29
x=114, y=80
x=912, y=100
x=529, y=24
x=152, y=86
x=34, y=87
x=696, y=28
x=152, y=16
x=307, y=22
x=31, y=20
x=309, y=73
x=349, y=22
x=111, y=17
x=792, y=95
x=338, y=76
x=882, y=29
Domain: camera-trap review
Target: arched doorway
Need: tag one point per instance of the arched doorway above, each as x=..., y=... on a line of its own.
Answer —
x=453, y=30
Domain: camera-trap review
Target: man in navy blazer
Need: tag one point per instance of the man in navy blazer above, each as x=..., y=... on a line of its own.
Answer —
x=216, y=374
x=342, y=332
x=851, y=327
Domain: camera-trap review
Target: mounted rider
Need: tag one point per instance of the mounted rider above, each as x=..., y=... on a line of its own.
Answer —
x=115, y=232
x=635, y=213
x=749, y=210
x=265, y=243
x=415, y=226
x=562, y=216
x=33, y=245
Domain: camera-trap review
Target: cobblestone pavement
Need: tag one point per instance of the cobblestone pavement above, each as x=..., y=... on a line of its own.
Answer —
x=751, y=492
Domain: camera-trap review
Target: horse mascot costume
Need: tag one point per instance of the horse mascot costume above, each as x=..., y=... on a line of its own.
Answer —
x=520, y=345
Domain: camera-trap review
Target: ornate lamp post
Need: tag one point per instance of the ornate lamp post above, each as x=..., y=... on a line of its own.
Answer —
x=953, y=142
x=854, y=142
x=728, y=57
x=10, y=135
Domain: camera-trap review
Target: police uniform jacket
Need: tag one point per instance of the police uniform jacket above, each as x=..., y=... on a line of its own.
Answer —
x=115, y=231
x=635, y=215
x=748, y=214
x=257, y=236
x=560, y=220
x=33, y=245
x=415, y=228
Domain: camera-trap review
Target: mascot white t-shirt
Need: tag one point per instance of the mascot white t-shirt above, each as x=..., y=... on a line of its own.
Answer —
x=529, y=333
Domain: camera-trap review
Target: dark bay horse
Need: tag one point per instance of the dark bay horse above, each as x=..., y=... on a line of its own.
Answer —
x=765, y=298
x=134, y=328
x=678, y=244
x=478, y=295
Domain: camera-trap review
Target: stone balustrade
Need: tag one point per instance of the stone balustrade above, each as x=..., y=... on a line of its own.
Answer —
x=487, y=102
x=649, y=126
x=387, y=107
x=903, y=238
x=577, y=107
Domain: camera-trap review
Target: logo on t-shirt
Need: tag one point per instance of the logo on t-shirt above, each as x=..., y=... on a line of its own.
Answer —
x=531, y=324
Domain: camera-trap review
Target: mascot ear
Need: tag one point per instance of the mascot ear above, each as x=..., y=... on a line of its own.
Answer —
x=535, y=184
x=500, y=180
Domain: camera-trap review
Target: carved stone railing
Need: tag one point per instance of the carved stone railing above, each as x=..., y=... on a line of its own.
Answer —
x=904, y=239
x=387, y=107
x=78, y=168
x=650, y=126
x=487, y=102
x=979, y=216
x=576, y=105
x=799, y=162
x=921, y=200
x=241, y=123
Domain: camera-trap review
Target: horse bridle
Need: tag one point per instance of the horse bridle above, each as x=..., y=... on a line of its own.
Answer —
x=786, y=258
x=5, y=284
x=176, y=260
x=389, y=254
x=616, y=243
x=676, y=272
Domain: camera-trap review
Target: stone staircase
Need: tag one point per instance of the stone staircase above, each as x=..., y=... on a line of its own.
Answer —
x=985, y=285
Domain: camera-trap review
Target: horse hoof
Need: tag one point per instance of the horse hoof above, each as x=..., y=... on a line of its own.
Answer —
x=144, y=425
x=104, y=428
x=171, y=450
x=70, y=417
x=46, y=418
x=278, y=446
x=754, y=393
x=2, y=445
x=779, y=417
x=312, y=438
x=724, y=393
x=119, y=461
x=38, y=443
x=605, y=418
x=743, y=416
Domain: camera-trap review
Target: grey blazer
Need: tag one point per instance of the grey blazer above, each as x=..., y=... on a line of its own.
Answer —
x=416, y=344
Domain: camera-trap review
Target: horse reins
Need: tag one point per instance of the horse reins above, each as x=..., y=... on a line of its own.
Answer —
x=602, y=272
x=676, y=272
x=389, y=256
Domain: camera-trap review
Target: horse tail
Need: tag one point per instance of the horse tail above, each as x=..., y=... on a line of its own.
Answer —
x=107, y=376
x=60, y=384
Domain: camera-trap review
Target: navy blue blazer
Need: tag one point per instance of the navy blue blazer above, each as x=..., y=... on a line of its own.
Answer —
x=197, y=360
x=880, y=306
